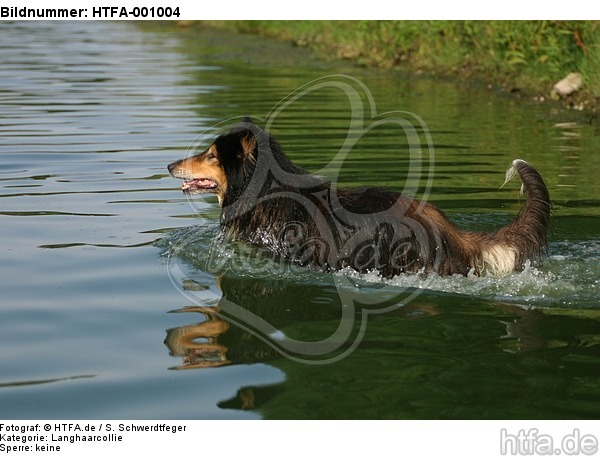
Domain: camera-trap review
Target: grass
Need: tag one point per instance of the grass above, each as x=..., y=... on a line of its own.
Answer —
x=529, y=55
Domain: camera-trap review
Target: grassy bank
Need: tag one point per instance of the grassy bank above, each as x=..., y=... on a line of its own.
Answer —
x=525, y=55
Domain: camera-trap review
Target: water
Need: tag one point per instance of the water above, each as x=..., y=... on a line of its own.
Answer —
x=111, y=307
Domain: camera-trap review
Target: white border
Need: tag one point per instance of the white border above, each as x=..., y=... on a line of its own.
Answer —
x=348, y=438
x=319, y=10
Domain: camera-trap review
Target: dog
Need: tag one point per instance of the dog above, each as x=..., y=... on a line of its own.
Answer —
x=269, y=201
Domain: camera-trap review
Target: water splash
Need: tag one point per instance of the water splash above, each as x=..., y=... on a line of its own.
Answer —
x=570, y=276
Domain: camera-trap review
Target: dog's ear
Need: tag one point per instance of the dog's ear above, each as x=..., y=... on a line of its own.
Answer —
x=248, y=142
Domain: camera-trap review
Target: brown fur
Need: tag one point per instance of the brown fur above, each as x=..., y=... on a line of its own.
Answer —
x=205, y=165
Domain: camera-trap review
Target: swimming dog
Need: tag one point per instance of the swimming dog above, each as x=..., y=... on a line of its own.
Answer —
x=269, y=201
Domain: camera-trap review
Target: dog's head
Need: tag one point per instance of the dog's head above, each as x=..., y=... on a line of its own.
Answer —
x=215, y=169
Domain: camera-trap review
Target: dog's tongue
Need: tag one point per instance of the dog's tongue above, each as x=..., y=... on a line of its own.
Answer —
x=198, y=183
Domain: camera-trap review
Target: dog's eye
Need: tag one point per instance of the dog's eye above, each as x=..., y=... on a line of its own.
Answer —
x=211, y=156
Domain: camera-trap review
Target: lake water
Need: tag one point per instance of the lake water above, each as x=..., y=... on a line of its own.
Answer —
x=112, y=306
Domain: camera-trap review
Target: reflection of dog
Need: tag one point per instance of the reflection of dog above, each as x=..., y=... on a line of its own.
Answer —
x=269, y=201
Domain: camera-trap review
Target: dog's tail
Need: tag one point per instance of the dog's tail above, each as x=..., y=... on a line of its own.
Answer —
x=524, y=239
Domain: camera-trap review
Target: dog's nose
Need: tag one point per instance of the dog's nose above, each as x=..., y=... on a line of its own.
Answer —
x=170, y=166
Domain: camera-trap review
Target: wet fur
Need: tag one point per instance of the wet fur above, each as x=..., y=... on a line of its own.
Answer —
x=269, y=201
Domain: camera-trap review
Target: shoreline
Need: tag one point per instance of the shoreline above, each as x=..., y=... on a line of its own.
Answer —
x=525, y=71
